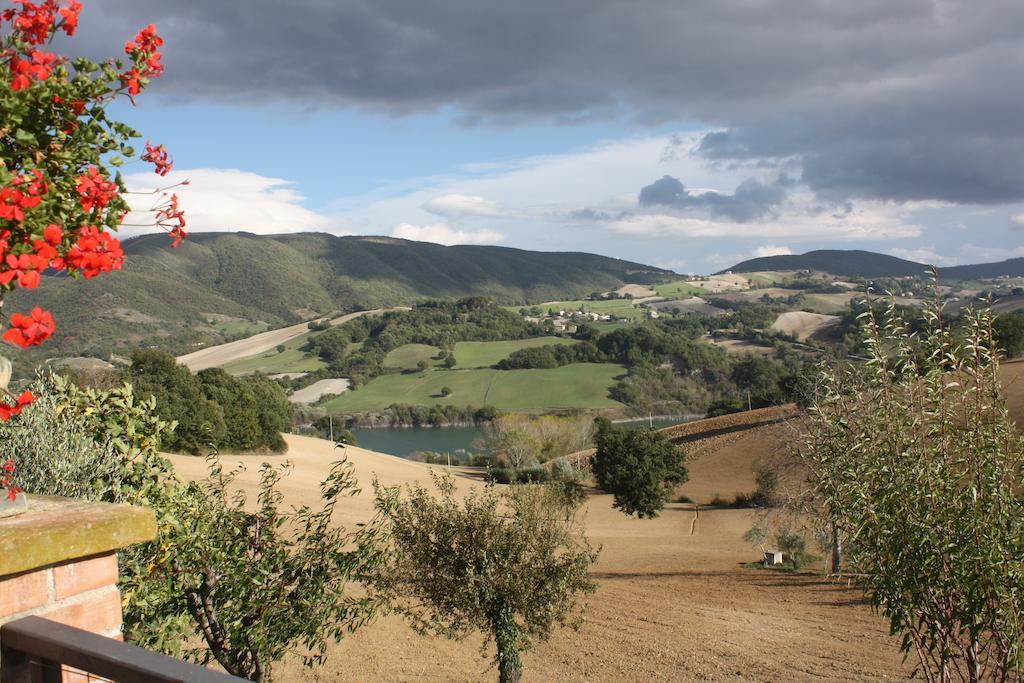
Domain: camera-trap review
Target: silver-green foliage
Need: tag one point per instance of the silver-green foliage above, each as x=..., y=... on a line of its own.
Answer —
x=56, y=455
x=506, y=563
x=922, y=471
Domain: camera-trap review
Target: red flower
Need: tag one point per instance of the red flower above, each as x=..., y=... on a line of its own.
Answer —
x=7, y=473
x=53, y=234
x=158, y=157
x=70, y=16
x=29, y=330
x=95, y=252
x=6, y=412
x=146, y=41
x=25, y=192
x=38, y=67
x=130, y=80
x=95, y=190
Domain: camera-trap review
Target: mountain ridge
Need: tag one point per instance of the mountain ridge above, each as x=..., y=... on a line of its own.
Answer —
x=166, y=296
x=861, y=263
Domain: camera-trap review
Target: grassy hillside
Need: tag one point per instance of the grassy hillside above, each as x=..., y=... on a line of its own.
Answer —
x=858, y=263
x=215, y=285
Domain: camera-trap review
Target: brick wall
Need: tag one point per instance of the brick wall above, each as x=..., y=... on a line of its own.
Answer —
x=81, y=593
x=58, y=561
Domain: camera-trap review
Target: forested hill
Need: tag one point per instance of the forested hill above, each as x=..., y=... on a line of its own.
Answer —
x=858, y=263
x=165, y=296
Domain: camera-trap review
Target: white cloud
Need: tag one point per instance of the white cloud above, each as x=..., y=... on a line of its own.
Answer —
x=925, y=254
x=444, y=234
x=772, y=250
x=1017, y=221
x=976, y=254
x=225, y=199
x=461, y=205
x=863, y=226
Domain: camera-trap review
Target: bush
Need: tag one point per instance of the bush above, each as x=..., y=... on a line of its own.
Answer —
x=532, y=474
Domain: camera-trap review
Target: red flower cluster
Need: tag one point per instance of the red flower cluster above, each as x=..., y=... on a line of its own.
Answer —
x=20, y=402
x=95, y=252
x=172, y=218
x=94, y=190
x=29, y=330
x=157, y=155
x=34, y=22
x=25, y=192
x=144, y=51
x=7, y=467
x=39, y=66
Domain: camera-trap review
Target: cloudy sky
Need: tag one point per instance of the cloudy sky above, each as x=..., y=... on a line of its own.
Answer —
x=682, y=133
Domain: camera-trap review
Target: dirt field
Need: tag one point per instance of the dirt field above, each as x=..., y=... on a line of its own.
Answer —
x=215, y=356
x=673, y=603
x=636, y=291
x=316, y=390
x=803, y=324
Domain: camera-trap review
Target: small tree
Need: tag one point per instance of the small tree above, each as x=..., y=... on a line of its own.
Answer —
x=257, y=584
x=640, y=467
x=446, y=391
x=422, y=366
x=506, y=564
x=919, y=467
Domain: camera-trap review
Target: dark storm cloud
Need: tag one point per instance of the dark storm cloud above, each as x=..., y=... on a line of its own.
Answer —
x=890, y=99
x=751, y=201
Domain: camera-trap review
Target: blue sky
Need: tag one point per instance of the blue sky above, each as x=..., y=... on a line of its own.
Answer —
x=687, y=140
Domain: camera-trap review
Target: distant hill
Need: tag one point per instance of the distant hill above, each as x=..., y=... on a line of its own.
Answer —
x=858, y=263
x=216, y=286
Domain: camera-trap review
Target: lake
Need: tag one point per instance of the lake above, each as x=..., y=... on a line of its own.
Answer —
x=403, y=442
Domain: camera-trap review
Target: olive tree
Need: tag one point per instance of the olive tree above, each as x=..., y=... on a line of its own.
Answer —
x=639, y=467
x=919, y=468
x=506, y=563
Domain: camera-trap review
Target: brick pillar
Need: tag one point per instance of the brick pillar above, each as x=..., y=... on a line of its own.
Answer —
x=58, y=560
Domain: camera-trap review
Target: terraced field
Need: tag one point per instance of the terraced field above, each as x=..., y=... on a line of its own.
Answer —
x=581, y=385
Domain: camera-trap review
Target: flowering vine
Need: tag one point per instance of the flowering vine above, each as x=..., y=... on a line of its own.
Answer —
x=61, y=193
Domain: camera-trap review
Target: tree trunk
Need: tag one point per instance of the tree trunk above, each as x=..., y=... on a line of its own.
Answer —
x=837, y=550
x=509, y=671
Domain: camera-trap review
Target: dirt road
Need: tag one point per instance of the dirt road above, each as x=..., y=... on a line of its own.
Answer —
x=215, y=356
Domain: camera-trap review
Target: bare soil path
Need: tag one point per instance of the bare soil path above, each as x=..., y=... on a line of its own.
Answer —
x=215, y=356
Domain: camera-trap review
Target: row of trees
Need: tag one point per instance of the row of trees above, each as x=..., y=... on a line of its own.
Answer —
x=212, y=408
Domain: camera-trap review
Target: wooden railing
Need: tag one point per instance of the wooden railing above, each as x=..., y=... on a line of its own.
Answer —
x=36, y=650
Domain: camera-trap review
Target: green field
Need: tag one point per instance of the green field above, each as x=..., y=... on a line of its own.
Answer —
x=486, y=354
x=582, y=385
x=272, y=362
x=408, y=356
x=680, y=289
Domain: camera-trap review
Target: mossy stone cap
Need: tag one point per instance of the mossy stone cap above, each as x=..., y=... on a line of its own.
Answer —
x=55, y=530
